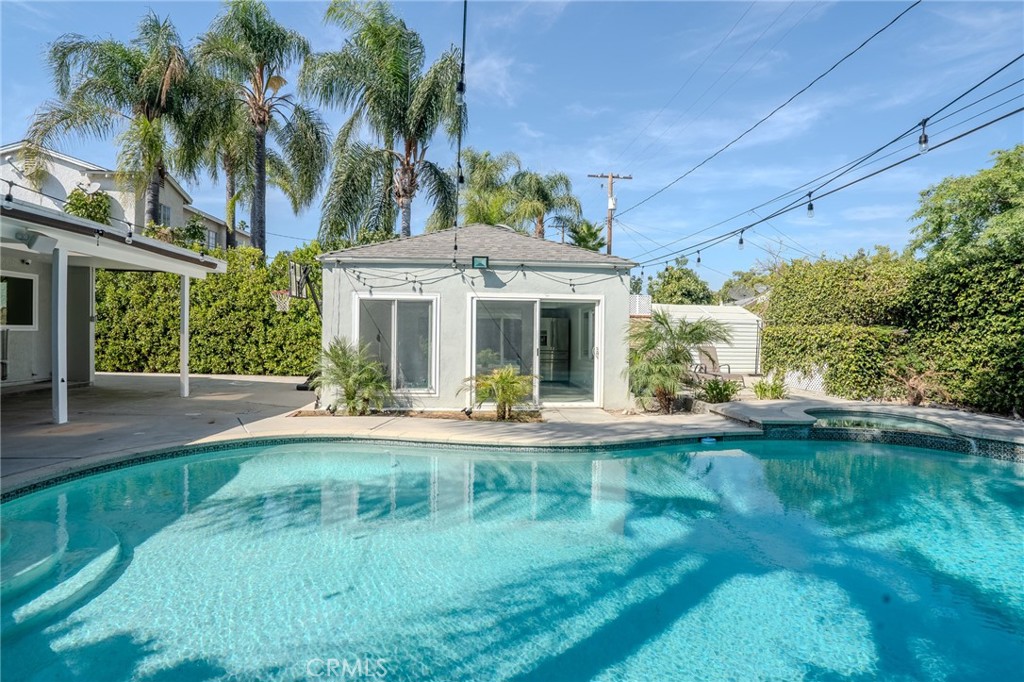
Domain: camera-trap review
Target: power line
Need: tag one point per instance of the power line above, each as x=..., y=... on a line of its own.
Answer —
x=860, y=161
x=778, y=108
x=685, y=83
x=723, y=75
x=739, y=230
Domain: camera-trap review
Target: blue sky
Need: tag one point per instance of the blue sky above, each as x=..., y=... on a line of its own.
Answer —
x=651, y=89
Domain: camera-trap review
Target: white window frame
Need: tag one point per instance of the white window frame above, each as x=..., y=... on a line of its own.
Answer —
x=435, y=300
x=214, y=237
x=35, y=303
x=596, y=350
x=165, y=223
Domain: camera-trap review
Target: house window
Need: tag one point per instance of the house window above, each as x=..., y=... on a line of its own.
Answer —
x=19, y=302
x=400, y=335
x=211, y=239
x=165, y=215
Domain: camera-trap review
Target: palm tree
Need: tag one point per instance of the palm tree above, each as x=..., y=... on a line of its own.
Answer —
x=247, y=47
x=379, y=74
x=356, y=380
x=587, y=235
x=487, y=197
x=142, y=89
x=661, y=354
x=540, y=196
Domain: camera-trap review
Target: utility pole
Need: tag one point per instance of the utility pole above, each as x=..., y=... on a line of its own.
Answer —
x=611, y=177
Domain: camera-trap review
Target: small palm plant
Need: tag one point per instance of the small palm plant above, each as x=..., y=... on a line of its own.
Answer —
x=504, y=386
x=361, y=382
x=661, y=354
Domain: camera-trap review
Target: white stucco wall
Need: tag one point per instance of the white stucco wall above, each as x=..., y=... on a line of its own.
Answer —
x=28, y=352
x=455, y=294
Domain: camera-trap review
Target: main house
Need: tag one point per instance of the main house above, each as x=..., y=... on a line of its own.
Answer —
x=66, y=173
x=443, y=306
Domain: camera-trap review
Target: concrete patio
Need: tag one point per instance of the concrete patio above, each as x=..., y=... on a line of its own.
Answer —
x=122, y=415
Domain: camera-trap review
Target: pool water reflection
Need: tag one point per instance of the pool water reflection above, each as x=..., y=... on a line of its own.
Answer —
x=758, y=559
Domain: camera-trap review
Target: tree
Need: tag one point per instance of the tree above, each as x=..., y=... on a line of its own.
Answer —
x=379, y=73
x=142, y=89
x=539, y=196
x=587, y=235
x=962, y=210
x=679, y=285
x=661, y=354
x=487, y=197
x=636, y=285
x=248, y=48
x=743, y=284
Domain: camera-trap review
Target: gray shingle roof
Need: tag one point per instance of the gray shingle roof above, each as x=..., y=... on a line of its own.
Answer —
x=502, y=245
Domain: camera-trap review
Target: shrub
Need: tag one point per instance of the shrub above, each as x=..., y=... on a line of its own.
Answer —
x=95, y=206
x=358, y=382
x=718, y=390
x=853, y=359
x=661, y=354
x=770, y=389
x=504, y=386
x=235, y=328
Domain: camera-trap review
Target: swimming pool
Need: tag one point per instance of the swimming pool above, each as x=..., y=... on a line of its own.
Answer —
x=739, y=560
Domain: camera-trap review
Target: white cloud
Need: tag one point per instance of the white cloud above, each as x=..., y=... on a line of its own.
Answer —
x=541, y=14
x=526, y=131
x=494, y=77
x=877, y=212
x=585, y=110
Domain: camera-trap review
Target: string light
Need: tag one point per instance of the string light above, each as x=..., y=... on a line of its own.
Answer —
x=741, y=239
x=810, y=205
x=460, y=93
x=922, y=142
x=698, y=257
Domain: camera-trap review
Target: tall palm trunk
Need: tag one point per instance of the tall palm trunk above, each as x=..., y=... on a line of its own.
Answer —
x=258, y=212
x=231, y=240
x=406, y=206
x=538, y=228
x=153, y=197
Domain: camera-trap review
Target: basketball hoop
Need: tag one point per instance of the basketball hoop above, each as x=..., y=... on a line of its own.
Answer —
x=282, y=299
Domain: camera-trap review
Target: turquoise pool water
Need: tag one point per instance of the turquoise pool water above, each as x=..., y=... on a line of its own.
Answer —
x=736, y=561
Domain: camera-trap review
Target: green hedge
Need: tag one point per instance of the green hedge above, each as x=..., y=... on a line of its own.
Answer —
x=234, y=326
x=967, y=319
x=855, y=358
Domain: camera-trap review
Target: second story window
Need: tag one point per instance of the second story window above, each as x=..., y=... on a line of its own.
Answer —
x=165, y=215
x=211, y=239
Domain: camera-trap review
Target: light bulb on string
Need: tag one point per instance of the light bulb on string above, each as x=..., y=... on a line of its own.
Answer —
x=460, y=93
x=810, y=206
x=698, y=258
x=741, y=240
x=922, y=141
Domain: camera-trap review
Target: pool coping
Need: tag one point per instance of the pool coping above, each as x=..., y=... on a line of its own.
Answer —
x=975, y=434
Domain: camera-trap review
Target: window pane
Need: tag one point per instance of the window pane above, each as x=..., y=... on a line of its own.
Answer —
x=413, y=339
x=504, y=335
x=16, y=301
x=375, y=330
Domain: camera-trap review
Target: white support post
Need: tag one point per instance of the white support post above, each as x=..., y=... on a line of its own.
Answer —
x=92, y=326
x=183, y=337
x=59, y=335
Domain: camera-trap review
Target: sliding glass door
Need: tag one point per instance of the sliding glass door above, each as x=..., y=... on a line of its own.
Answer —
x=505, y=335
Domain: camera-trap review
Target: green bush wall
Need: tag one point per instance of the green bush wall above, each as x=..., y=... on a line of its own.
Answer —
x=234, y=325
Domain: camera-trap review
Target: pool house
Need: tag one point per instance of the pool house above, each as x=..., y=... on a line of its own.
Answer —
x=439, y=307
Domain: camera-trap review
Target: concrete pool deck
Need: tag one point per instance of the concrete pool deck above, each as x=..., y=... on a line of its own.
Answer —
x=123, y=415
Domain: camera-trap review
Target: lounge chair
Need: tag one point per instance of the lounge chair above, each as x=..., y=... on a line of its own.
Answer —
x=710, y=368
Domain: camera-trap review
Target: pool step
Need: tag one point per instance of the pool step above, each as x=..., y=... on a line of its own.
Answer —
x=31, y=549
x=91, y=554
